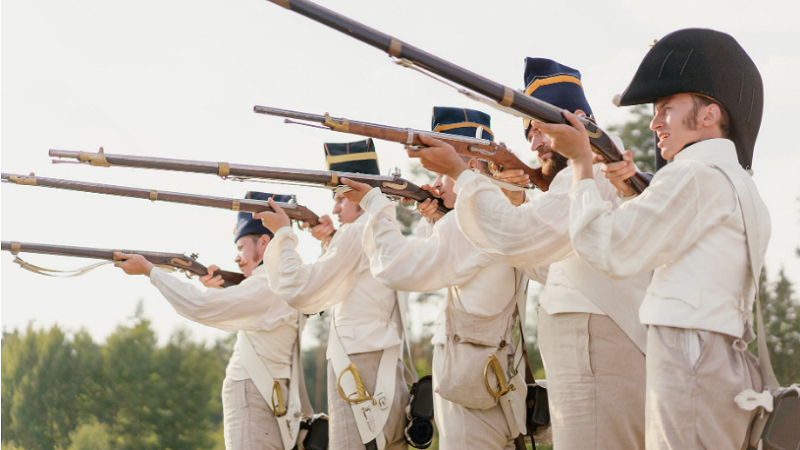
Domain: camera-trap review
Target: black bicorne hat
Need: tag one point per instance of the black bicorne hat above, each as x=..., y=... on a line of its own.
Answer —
x=354, y=157
x=554, y=83
x=245, y=224
x=461, y=122
x=709, y=63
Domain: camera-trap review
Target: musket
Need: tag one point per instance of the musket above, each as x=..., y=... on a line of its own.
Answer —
x=481, y=149
x=475, y=86
x=178, y=261
x=392, y=186
x=293, y=210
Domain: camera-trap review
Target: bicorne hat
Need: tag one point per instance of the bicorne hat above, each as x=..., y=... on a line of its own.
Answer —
x=461, y=122
x=245, y=224
x=554, y=83
x=354, y=157
x=709, y=63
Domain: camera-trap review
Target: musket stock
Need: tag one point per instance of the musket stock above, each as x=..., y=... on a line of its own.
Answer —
x=476, y=86
x=294, y=211
x=187, y=264
x=481, y=149
x=391, y=186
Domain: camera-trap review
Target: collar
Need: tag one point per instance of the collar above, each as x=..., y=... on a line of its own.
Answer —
x=712, y=150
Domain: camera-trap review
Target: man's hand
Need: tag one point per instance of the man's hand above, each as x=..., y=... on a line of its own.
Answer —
x=358, y=192
x=620, y=171
x=211, y=281
x=571, y=141
x=322, y=231
x=273, y=220
x=133, y=264
x=439, y=157
x=515, y=176
x=428, y=208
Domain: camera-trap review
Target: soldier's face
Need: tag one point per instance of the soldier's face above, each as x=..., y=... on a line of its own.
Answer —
x=675, y=124
x=552, y=162
x=250, y=252
x=444, y=186
x=345, y=210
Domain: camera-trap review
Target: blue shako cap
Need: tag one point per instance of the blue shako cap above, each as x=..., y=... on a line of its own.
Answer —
x=556, y=84
x=245, y=224
x=354, y=157
x=461, y=121
x=709, y=63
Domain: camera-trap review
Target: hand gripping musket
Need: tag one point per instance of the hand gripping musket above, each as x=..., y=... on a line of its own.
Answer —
x=175, y=261
x=392, y=186
x=293, y=210
x=474, y=86
x=481, y=149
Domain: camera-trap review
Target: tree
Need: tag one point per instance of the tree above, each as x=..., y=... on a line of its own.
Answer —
x=782, y=320
x=638, y=138
x=44, y=374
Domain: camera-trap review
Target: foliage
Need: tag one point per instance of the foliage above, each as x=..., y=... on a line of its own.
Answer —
x=638, y=138
x=782, y=320
x=63, y=391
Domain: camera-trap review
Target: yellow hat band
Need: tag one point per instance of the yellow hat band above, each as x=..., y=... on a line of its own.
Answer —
x=461, y=125
x=552, y=80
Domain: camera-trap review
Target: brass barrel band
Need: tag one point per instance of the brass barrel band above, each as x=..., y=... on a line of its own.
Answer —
x=410, y=138
x=235, y=204
x=395, y=48
x=153, y=195
x=224, y=169
x=15, y=247
x=508, y=96
x=334, y=179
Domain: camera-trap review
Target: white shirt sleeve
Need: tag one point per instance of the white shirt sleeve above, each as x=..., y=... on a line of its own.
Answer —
x=311, y=288
x=534, y=234
x=242, y=307
x=417, y=264
x=650, y=230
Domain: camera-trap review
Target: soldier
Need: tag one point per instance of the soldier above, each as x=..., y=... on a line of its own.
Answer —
x=688, y=226
x=365, y=335
x=267, y=339
x=480, y=292
x=591, y=341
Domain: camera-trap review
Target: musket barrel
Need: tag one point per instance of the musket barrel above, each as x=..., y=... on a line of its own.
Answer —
x=246, y=205
x=297, y=115
x=504, y=95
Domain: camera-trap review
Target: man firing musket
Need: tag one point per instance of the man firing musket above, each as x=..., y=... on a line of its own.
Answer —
x=367, y=392
x=263, y=395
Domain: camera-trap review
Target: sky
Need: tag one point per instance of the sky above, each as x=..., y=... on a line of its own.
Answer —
x=179, y=79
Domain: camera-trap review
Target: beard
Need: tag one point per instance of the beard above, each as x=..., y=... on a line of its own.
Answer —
x=554, y=165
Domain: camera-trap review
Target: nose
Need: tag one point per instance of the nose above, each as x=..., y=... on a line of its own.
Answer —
x=537, y=142
x=657, y=121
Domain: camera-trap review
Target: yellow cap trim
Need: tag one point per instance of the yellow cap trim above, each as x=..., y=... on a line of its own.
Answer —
x=451, y=126
x=552, y=80
x=336, y=159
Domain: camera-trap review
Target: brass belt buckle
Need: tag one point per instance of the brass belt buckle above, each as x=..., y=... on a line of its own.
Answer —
x=361, y=392
x=501, y=378
x=279, y=409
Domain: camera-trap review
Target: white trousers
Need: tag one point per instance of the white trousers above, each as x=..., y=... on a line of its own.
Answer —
x=248, y=422
x=342, y=425
x=692, y=378
x=595, y=382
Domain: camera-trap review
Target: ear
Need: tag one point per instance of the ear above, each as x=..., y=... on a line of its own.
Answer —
x=474, y=164
x=712, y=115
x=264, y=240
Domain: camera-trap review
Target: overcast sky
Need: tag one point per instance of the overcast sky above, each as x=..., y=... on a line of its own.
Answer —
x=179, y=78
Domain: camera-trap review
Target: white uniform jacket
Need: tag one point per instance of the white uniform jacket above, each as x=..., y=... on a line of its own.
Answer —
x=443, y=259
x=339, y=278
x=532, y=235
x=270, y=324
x=687, y=225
